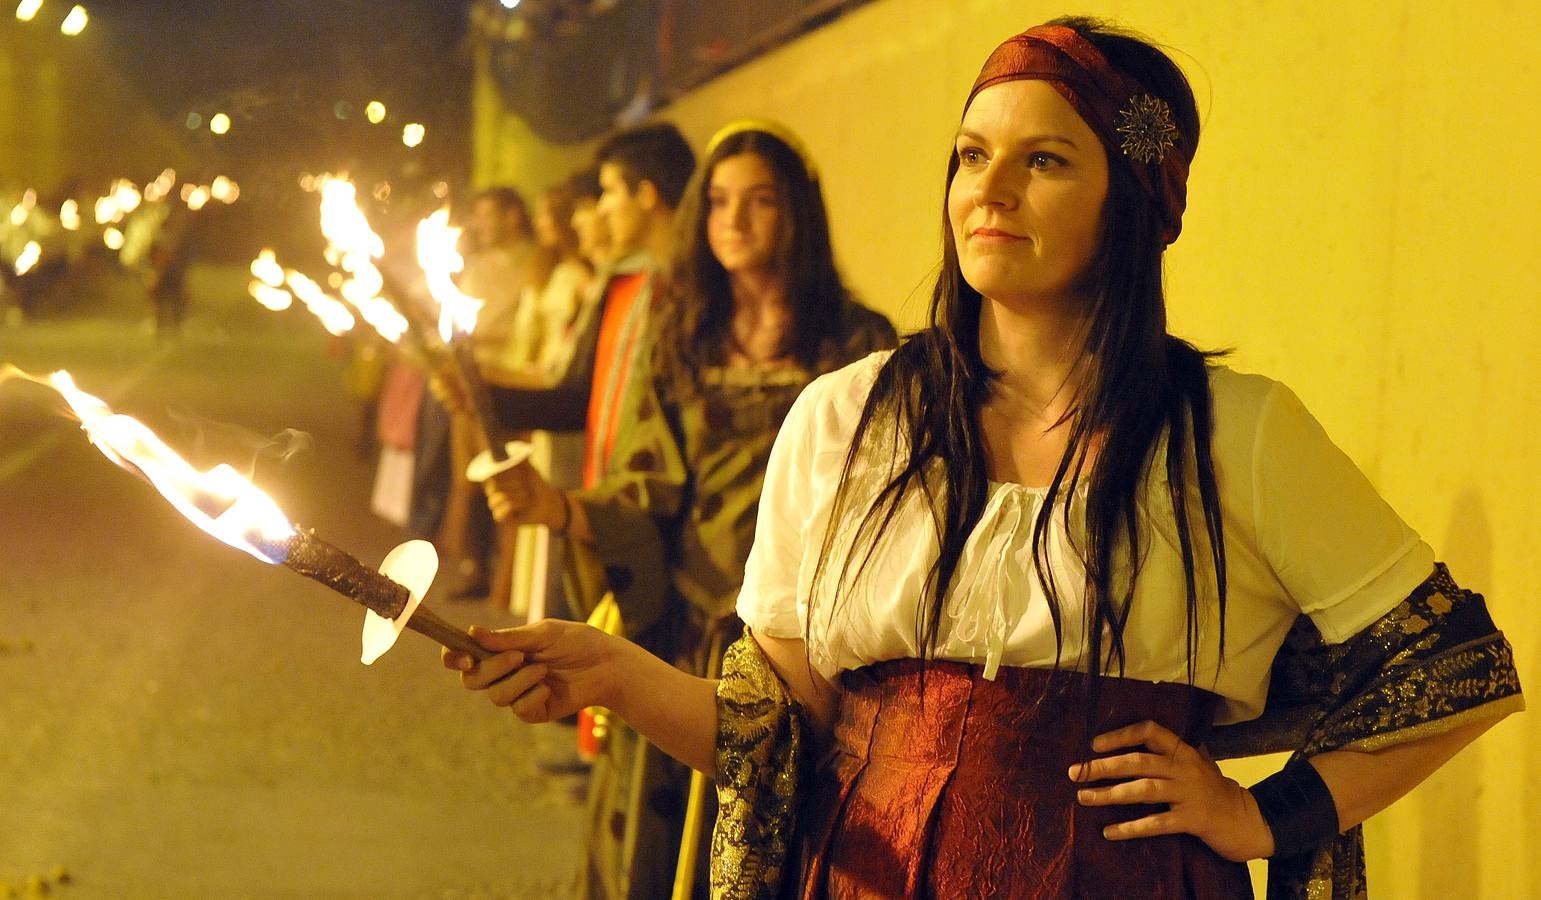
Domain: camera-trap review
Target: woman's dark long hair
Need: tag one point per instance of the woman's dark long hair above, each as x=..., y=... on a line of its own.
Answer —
x=696, y=325
x=1140, y=383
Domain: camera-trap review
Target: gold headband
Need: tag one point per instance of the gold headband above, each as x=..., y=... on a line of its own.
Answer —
x=767, y=126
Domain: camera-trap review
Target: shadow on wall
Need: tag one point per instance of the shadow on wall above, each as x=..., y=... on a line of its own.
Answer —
x=1450, y=836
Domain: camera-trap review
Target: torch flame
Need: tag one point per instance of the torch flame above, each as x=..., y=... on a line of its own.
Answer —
x=440, y=258
x=343, y=223
x=219, y=501
x=353, y=246
x=69, y=215
x=275, y=298
x=28, y=257
x=334, y=316
x=126, y=195
x=107, y=211
x=267, y=269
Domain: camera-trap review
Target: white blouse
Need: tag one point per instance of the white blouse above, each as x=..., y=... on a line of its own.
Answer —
x=1304, y=532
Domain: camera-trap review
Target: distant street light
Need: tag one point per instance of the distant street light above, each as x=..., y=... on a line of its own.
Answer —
x=375, y=112
x=26, y=9
x=75, y=22
x=412, y=134
x=219, y=123
x=197, y=198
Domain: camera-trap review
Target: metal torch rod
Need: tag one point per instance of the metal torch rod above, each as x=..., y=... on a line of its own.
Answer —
x=316, y=559
x=422, y=328
x=480, y=397
x=462, y=360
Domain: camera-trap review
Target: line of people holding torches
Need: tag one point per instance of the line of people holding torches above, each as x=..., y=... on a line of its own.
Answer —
x=647, y=326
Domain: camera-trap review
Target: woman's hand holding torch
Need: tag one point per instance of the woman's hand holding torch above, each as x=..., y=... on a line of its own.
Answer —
x=546, y=670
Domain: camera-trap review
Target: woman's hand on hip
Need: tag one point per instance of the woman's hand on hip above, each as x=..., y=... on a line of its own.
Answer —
x=1162, y=769
x=545, y=670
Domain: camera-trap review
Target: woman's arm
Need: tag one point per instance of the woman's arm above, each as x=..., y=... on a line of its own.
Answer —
x=820, y=699
x=525, y=379
x=1365, y=782
x=552, y=669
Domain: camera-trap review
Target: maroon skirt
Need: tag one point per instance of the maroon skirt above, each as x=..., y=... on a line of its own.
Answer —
x=962, y=791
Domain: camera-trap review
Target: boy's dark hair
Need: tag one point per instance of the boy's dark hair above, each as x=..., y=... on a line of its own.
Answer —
x=506, y=199
x=584, y=184
x=657, y=153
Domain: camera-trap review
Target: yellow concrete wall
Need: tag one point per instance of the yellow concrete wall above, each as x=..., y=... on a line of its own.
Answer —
x=1362, y=220
x=504, y=151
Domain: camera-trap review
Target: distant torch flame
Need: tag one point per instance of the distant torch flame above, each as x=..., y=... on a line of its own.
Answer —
x=126, y=195
x=28, y=257
x=439, y=256
x=353, y=246
x=218, y=501
x=267, y=269
x=69, y=215
x=275, y=298
x=268, y=286
x=334, y=316
x=343, y=223
x=22, y=210
x=107, y=211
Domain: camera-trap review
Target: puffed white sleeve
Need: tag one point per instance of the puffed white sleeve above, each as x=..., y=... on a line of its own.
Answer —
x=767, y=602
x=1341, y=553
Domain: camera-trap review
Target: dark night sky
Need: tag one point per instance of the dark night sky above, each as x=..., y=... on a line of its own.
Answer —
x=186, y=51
x=278, y=67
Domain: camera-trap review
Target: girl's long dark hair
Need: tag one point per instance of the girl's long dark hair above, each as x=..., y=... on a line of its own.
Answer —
x=1140, y=384
x=695, y=327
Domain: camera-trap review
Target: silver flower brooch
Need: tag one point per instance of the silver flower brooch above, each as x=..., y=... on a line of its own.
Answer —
x=1147, y=128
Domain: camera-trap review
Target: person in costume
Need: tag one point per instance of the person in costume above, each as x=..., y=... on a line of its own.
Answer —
x=501, y=242
x=642, y=175
x=756, y=310
x=1015, y=584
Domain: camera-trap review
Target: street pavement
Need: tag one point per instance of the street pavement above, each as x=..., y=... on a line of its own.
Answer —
x=178, y=719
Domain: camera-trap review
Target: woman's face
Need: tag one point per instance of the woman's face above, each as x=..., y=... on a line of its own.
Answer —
x=546, y=230
x=593, y=238
x=743, y=215
x=1026, y=203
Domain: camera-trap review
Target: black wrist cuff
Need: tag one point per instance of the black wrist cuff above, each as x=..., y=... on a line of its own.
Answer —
x=1298, y=808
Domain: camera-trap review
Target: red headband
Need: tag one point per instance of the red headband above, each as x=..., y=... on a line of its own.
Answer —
x=1132, y=122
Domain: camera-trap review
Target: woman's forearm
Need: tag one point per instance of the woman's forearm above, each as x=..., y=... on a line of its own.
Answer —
x=1364, y=783
x=675, y=710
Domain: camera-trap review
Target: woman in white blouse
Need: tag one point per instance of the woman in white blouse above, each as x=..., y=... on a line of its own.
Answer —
x=1095, y=538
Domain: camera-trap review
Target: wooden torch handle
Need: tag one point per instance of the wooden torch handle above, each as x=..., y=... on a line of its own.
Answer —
x=426, y=622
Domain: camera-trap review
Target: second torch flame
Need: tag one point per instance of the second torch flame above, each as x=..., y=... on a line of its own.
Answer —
x=439, y=255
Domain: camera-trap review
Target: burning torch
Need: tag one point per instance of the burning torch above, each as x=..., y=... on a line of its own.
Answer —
x=229, y=507
x=440, y=259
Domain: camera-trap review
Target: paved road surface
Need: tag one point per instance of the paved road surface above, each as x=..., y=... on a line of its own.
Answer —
x=180, y=720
